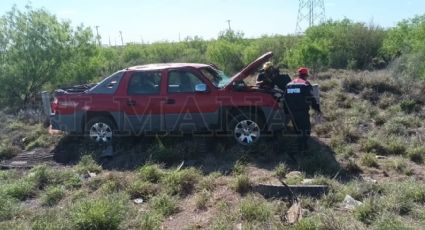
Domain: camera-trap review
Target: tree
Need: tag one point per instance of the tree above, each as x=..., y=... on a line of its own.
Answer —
x=34, y=48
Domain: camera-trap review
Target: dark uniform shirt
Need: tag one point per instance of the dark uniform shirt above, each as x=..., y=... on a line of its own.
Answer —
x=269, y=80
x=299, y=96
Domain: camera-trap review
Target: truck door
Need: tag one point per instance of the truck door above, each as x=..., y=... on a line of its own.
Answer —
x=144, y=104
x=188, y=107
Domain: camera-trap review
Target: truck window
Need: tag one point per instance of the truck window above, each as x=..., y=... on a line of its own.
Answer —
x=182, y=82
x=145, y=83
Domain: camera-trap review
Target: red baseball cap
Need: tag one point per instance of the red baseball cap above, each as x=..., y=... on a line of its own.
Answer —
x=303, y=71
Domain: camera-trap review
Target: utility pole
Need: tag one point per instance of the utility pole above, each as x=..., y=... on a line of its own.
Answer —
x=97, y=35
x=109, y=41
x=122, y=40
x=228, y=23
x=310, y=13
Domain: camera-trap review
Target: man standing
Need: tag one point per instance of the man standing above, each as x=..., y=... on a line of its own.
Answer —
x=270, y=77
x=299, y=97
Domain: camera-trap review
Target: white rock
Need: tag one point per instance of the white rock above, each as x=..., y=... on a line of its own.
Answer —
x=138, y=201
x=351, y=203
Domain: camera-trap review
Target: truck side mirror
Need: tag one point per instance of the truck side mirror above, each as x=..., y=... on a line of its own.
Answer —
x=201, y=88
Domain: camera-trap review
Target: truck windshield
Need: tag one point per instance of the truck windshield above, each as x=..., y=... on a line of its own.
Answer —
x=217, y=77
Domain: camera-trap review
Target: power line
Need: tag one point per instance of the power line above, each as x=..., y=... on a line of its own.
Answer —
x=97, y=35
x=122, y=40
x=310, y=13
x=228, y=23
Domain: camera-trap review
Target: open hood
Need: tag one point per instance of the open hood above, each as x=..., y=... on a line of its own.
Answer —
x=249, y=69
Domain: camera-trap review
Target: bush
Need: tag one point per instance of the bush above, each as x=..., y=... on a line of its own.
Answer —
x=150, y=221
x=52, y=196
x=417, y=155
x=241, y=184
x=20, y=189
x=373, y=145
x=408, y=106
x=239, y=167
x=182, y=182
x=99, y=213
x=151, y=172
x=88, y=164
x=9, y=207
x=7, y=150
x=367, y=212
x=202, y=199
x=141, y=189
x=254, y=209
x=164, y=204
x=369, y=160
x=209, y=182
x=280, y=170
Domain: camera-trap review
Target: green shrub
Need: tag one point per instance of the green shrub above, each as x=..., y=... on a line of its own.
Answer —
x=255, y=209
x=209, y=182
x=9, y=207
x=164, y=204
x=241, y=184
x=367, y=212
x=202, y=199
x=88, y=164
x=408, y=106
x=20, y=189
x=151, y=172
x=369, y=160
x=373, y=145
x=53, y=195
x=390, y=222
x=182, y=182
x=150, y=221
x=141, y=189
x=99, y=213
x=353, y=167
x=280, y=170
x=7, y=150
x=417, y=155
x=396, y=147
x=399, y=165
x=239, y=167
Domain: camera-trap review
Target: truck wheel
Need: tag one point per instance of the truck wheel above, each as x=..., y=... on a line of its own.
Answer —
x=246, y=129
x=100, y=129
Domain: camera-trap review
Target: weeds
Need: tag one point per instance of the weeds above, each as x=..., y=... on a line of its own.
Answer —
x=280, y=170
x=164, y=204
x=142, y=189
x=255, y=209
x=241, y=184
x=417, y=155
x=202, y=199
x=151, y=172
x=182, y=182
x=369, y=160
x=9, y=207
x=99, y=213
x=367, y=212
x=52, y=196
x=150, y=221
x=88, y=164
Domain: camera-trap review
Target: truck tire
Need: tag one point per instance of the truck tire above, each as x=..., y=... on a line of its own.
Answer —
x=246, y=128
x=100, y=129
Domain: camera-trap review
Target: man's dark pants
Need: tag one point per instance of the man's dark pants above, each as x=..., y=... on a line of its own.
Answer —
x=302, y=125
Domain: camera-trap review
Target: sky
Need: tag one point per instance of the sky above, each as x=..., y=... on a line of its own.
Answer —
x=170, y=20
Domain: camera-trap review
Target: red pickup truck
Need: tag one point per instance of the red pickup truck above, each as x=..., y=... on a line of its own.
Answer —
x=169, y=98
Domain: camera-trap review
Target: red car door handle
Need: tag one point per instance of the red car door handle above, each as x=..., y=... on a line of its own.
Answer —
x=131, y=102
x=170, y=101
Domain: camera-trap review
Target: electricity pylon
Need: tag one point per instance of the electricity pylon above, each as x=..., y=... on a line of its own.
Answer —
x=310, y=13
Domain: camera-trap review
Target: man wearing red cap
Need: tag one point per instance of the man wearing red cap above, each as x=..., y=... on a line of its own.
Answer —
x=299, y=97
